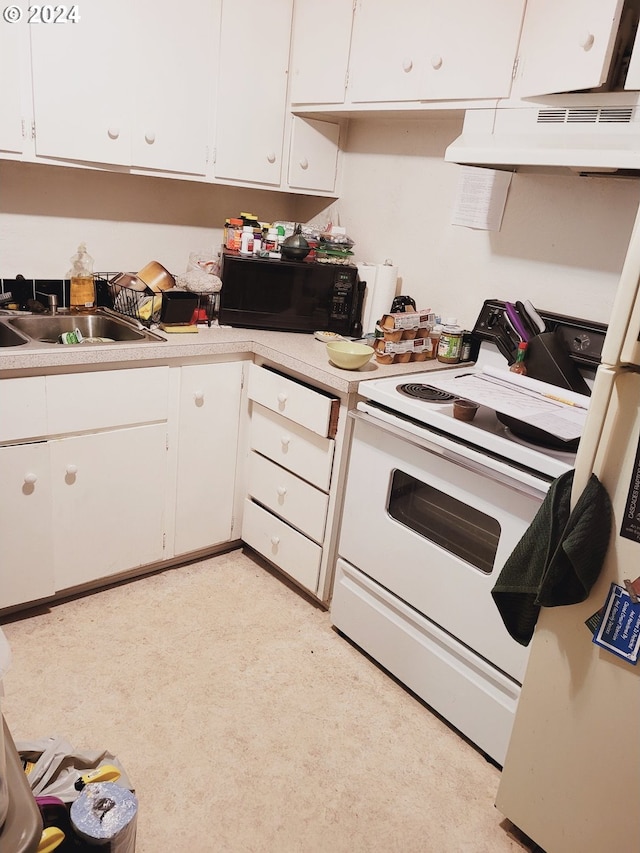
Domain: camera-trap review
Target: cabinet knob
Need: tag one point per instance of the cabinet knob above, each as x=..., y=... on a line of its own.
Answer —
x=436, y=62
x=587, y=40
x=275, y=541
x=282, y=398
x=407, y=65
x=150, y=137
x=114, y=132
x=199, y=396
x=304, y=163
x=271, y=157
x=285, y=440
x=71, y=470
x=30, y=478
x=281, y=491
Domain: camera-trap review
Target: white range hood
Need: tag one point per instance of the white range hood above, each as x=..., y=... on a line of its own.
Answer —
x=586, y=133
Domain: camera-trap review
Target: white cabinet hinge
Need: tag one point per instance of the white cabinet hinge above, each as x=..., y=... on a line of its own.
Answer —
x=213, y=155
x=514, y=72
x=164, y=541
x=26, y=129
x=166, y=441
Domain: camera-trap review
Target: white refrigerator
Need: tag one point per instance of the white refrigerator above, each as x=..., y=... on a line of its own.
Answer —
x=571, y=779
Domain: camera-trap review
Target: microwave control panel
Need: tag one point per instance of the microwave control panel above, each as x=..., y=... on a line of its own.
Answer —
x=342, y=295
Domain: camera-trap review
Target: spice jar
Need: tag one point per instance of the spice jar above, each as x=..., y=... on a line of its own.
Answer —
x=450, y=342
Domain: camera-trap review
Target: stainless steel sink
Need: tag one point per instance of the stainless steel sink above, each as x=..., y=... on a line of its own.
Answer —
x=99, y=329
x=10, y=337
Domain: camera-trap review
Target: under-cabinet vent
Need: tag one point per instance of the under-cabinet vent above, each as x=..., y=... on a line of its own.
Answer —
x=604, y=115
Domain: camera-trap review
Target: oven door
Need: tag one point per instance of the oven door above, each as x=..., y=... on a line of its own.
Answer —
x=433, y=523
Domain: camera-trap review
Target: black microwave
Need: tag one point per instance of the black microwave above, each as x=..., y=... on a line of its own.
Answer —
x=289, y=296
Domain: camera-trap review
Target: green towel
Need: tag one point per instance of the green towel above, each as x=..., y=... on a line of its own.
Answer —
x=558, y=559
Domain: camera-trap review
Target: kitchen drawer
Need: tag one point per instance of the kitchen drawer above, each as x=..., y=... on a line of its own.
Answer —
x=292, y=552
x=88, y=401
x=307, y=407
x=292, y=446
x=297, y=502
x=23, y=411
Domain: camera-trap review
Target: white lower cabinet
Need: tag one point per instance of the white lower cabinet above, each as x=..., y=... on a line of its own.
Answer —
x=207, y=444
x=106, y=472
x=272, y=537
x=26, y=569
x=108, y=499
x=290, y=479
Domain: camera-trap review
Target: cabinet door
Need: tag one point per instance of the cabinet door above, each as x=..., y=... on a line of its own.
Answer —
x=207, y=449
x=252, y=86
x=633, y=72
x=108, y=494
x=82, y=77
x=566, y=46
x=318, y=71
x=25, y=524
x=471, y=48
x=388, y=59
x=175, y=66
x=13, y=44
x=313, y=158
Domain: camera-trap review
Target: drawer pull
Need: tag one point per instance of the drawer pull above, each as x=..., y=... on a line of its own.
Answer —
x=285, y=441
x=199, y=397
x=30, y=478
x=71, y=470
x=282, y=399
x=281, y=491
x=275, y=541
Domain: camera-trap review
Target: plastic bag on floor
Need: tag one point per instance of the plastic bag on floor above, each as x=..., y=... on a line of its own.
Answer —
x=53, y=766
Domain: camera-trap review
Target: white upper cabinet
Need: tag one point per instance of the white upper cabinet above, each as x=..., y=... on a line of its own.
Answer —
x=566, y=46
x=313, y=156
x=14, y=46
x=633, y=73
x=82, y=85
x=421, y=50
x=318, y=75
x=175, y=85
x=129, y=84
x=252, y=91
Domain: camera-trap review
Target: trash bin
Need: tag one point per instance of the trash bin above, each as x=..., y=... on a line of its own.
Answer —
x=20, y=820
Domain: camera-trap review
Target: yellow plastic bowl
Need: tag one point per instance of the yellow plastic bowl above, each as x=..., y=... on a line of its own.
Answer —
x=348, y=355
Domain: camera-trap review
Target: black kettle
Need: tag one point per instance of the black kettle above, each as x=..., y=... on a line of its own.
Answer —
x=295, y=247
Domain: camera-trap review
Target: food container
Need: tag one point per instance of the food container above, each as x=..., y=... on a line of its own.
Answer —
x=156, y=277
x=407, y=320
x=179, y=307
x=464, y=410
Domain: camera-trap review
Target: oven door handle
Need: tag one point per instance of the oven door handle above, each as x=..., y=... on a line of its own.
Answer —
x=473, y=460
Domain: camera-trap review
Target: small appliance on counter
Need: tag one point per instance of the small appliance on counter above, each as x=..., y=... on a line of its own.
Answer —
x=289, y=296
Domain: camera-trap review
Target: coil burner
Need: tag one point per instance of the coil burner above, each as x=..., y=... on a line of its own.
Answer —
x=427, y=393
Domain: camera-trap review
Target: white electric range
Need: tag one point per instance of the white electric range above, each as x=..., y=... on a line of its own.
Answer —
x=433, y=508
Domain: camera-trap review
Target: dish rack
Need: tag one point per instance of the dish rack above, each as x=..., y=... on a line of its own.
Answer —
x=144, y=306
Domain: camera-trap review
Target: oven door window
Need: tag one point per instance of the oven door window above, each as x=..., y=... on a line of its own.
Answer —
x=455, y=526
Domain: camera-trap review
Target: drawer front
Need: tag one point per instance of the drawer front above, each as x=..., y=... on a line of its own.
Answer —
x=111, y=398
x=288, y=398
x=292, y=446
x=292, y=552
x=297, y=502
x=23, y=411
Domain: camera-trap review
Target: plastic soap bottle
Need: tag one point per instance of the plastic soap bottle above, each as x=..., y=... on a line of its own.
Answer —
x=82, y=289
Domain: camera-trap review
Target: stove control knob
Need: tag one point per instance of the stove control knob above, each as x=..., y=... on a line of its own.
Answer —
x=581, y=343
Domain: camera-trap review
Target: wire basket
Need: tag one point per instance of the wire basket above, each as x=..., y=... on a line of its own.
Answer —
x=143, y=305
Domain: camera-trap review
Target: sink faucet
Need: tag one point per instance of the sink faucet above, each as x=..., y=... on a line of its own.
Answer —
x=52, y=300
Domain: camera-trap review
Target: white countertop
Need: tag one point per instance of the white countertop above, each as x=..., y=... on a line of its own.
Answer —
x=300, y=353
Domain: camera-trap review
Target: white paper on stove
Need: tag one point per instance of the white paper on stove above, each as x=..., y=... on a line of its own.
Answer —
x=520, y=397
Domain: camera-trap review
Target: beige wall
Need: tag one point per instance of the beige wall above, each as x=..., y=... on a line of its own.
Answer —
x=561, y=245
